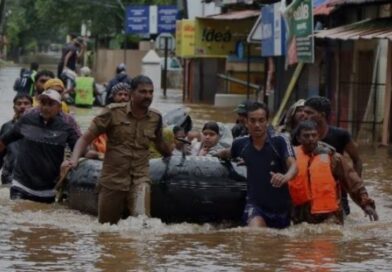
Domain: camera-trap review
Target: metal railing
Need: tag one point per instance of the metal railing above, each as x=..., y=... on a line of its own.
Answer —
x=256, y=87
x=357, y=105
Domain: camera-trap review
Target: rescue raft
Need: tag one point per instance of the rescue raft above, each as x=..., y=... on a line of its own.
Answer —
x=184, y=189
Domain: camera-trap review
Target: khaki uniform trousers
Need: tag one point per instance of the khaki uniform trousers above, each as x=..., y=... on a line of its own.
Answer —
x=114, y=205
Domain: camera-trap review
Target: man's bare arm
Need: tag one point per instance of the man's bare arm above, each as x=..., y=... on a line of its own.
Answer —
x=279, y=179
x=352, y=151
x=163, y=148
x=79, y=149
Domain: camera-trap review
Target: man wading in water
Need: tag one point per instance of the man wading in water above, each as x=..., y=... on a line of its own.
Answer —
x=270, y=165
x=22, y=102
x=43, y=136
x=318, y=109
x=130, y=128
x=315, y=191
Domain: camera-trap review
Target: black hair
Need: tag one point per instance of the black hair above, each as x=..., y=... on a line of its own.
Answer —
x=34, y=66
x=120, y=69
x=43, y=73
x=211, y=126
x=304, y=125
x=320, y=104
x=73, y=35
x=177, y=129
x=22, y=95
x=22, y=70
x=138, y=80
x=254, y=106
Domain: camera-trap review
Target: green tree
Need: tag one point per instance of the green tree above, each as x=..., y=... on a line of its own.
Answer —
x=34, y=24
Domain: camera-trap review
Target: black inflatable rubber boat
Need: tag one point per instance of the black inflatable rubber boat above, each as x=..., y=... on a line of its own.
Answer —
x=185, y=189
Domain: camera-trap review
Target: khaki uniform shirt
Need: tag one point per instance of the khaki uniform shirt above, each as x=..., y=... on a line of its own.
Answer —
x=127, y=156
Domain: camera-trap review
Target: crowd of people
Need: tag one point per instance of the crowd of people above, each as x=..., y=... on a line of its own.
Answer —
x=296, y=173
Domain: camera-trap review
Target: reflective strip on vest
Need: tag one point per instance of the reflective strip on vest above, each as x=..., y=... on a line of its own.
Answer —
x=84, y=91
x=314, y=183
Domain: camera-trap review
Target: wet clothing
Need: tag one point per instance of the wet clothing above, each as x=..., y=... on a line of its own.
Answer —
x=68, y=118
x=338, y=138
x=8, y=156
x=71, y=64
x=40, y=152
x=121, y=77
x=18, y=193
x=259, y=163
x=345, y=177
x=273, y=220
x=114, y=205
x=126, y=163
x=127, y=156
x=314, y=182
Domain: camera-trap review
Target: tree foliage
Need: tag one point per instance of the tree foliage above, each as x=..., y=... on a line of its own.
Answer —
x=41, y=22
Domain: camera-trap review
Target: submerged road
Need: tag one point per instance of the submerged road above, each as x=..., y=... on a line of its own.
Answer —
x=40, y=237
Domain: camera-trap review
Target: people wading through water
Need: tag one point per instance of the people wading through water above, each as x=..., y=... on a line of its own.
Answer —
x=22, y=102
x=130, y=128
x=43, y=136
x=315, y=191
x=270, y=164
x=318, y=109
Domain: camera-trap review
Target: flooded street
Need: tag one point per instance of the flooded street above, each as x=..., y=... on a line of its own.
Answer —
x=40, y=237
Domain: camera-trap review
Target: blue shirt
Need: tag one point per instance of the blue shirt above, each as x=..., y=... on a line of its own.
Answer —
x=259, y=164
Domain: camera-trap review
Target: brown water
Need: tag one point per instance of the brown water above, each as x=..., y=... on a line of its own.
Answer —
x=39, y=237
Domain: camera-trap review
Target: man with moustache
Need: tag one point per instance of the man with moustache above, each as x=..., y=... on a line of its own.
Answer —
x=43, y=136
x=318, y=109
x=130, y=128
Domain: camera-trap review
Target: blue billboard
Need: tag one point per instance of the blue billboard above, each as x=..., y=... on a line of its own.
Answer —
x=150, y=19
x=137, y=20
x=167, y=16
x=273, y=38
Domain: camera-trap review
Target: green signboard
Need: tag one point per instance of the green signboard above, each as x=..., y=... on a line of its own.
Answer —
x=299, y=18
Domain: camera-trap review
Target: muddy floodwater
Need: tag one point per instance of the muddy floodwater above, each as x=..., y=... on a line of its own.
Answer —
x=40, y=237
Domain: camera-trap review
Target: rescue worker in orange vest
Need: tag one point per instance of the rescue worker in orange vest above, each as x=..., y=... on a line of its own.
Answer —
x=315, y=191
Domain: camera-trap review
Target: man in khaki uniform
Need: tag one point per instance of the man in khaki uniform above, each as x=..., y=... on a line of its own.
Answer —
x=130, y=127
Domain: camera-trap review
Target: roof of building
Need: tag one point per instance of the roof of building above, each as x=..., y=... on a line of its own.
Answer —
x=380, y=28
x=234, y=15
x=354, y=2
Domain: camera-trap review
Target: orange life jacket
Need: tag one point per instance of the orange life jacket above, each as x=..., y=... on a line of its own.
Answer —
x=314, y=183
x=100, y=143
